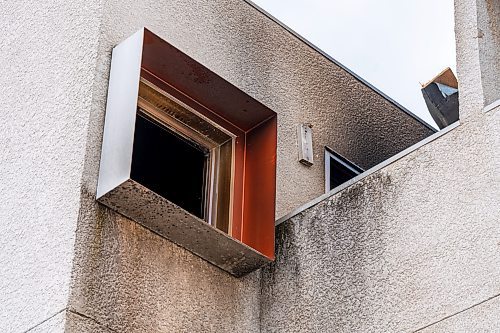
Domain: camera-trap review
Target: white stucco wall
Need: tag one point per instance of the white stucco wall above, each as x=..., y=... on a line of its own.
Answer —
x=488, y=12
x=47, y=61
x=404, y=248
x=412, y=247
x=54, y=324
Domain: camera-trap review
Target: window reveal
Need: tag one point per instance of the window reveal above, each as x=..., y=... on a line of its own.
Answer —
x=199, y=134
x=183, y=157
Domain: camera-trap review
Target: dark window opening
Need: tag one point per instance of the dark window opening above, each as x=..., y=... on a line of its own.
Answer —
x=338, y=170
x=170, y=165
x=183, y=156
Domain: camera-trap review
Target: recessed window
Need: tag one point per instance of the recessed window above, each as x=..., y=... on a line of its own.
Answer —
x=338, y=169
x=188, y=155
x=182, y=156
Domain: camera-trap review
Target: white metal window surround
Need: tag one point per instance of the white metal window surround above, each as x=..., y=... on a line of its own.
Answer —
x=188, y=155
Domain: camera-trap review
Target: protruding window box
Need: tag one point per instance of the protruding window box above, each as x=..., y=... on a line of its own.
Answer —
x=188, y=155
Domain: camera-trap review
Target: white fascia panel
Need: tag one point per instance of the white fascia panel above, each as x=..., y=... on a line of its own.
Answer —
x=121, y=109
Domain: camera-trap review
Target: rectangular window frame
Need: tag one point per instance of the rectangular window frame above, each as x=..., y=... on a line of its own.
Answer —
x=219, y=190
x=250, y=244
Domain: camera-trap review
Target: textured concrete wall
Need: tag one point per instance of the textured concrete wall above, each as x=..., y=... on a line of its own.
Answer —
x=413, y=247
x=477, y=30
x=407, y=246
x=77, y=323
x=468, y=60
x=253, y=52
x=47, y=60
x=54, y=324
x=489, y=46
x=128, y=279
x=481, y=317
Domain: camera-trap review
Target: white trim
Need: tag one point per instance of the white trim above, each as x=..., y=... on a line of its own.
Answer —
x=121, y=107
x=368, y=172
x=492, y=106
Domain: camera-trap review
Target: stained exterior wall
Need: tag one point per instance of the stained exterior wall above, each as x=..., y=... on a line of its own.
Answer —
x=413, y=247
x=392, y=250
x=406, y=247
x=128, y=279
x=264, y=60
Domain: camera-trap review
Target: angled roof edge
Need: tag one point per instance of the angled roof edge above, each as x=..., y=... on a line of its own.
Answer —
x=336, y=62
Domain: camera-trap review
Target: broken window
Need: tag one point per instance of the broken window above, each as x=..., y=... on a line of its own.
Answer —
x=338, y=169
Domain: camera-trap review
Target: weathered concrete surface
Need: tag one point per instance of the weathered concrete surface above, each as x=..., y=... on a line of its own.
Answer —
x=267, y=62
x=480, y=318
x=77, y=323
x=401, y=249
x=47, y=59
x=129, y=279
x=126, y=278
x=488, y=13
x=184, y=229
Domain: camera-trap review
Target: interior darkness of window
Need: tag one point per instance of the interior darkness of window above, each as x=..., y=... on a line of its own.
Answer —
x=341, y=170
x=339, y=174
x=169, y=165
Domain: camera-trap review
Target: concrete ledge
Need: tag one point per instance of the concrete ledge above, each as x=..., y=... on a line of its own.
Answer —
x=492, y=106
x=368, y=172
x=168, y=220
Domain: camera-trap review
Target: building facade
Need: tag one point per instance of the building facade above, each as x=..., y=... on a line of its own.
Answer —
x=409, y=245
